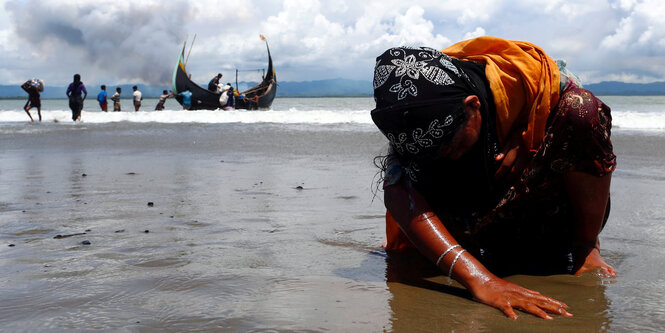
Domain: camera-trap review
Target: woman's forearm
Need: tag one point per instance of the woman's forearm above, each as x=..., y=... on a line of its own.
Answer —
x=431, y=237
x=425, y=230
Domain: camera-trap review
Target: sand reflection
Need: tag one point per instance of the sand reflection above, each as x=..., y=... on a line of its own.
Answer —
x=423, y=300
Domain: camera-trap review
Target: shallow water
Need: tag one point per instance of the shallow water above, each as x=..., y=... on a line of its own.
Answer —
x=234, y=245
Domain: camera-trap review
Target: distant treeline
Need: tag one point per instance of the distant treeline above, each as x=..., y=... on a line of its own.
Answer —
x=323, y=88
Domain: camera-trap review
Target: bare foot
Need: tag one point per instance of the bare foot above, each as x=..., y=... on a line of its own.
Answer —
x=594, y=261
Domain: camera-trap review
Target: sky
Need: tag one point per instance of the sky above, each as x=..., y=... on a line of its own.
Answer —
x=123, y=42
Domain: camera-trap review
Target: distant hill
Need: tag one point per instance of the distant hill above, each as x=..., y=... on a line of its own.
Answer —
x=322, y=88
x=326, y=88
x=7, y=91
x=622, y=88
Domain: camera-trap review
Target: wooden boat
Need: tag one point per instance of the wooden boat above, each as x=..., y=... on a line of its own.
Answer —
x=258, y=97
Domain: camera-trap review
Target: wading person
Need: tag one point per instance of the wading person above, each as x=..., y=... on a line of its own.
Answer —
x=33, y=88
x=116, y=99
x=186, y=99
x=138, y=97
x=499, y=163
x=74, y=92
x=102, y=98
x=162, y=100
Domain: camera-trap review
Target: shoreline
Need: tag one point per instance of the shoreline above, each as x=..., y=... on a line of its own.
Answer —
x=234, y=243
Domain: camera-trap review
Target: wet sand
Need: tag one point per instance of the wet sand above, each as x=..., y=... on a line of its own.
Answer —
x=260, y=228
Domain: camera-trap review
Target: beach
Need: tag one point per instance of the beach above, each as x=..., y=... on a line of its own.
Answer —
x=266, y=221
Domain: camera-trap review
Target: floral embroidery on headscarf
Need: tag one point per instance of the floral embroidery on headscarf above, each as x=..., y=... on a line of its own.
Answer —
x=420, y=139
x=411, y=67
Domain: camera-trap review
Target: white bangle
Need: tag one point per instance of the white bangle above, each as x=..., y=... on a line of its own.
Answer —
x=450, y=272
x=446, y=252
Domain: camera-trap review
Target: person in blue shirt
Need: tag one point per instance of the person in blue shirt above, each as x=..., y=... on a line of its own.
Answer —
x=186, y=99
x=101, y=98
x=74, y=92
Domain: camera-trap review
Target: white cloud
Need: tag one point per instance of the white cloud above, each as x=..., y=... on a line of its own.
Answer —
x=476, y=33
x=138, y=41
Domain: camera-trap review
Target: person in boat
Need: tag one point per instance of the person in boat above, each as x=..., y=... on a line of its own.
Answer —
x=74, y=92
x=33, y=88
x=186, y=99
x=101, y=98
x=499, y=163
x=138, y=97
x=116, y=99
x=214, y=82
x=162, y=100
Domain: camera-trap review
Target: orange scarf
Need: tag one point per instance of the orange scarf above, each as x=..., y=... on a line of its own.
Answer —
x=524, y=82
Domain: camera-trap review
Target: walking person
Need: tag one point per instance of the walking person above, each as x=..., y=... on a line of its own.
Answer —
x=74, y=92
x=33, y=88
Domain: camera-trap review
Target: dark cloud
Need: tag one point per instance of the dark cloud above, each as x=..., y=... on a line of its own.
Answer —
x=132, y=41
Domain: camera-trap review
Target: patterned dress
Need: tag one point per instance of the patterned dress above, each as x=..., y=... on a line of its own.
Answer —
x=509, y=227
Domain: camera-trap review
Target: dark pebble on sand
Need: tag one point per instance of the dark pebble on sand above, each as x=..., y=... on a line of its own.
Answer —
x=299, y=187
x=70, y=235
x=151, y=204
x=88, y=230
x=84, y=175
x=147, y=231
x=85, y=242
x=131, y=173
x=121, y=230
x=11, y=245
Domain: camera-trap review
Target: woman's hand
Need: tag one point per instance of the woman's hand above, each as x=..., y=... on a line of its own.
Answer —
x=513, y=159
x=507, y=296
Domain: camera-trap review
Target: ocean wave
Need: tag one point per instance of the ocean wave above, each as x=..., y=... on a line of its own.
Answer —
x=620, y=119
x=292, y=116
x=638, y=120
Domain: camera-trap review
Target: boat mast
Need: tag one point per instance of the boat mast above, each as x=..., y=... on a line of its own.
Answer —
x=190, y=49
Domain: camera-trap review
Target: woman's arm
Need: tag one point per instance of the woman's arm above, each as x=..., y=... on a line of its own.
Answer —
x=426, y=231
x=589, y=195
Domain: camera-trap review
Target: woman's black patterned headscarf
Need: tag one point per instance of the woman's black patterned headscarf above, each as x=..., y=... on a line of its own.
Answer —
x=419, y=93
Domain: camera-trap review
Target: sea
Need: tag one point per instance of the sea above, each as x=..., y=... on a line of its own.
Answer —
x=272, y=221
x=636, y=113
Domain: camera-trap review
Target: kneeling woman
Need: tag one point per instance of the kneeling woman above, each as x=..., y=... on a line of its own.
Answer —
x=499, y=163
